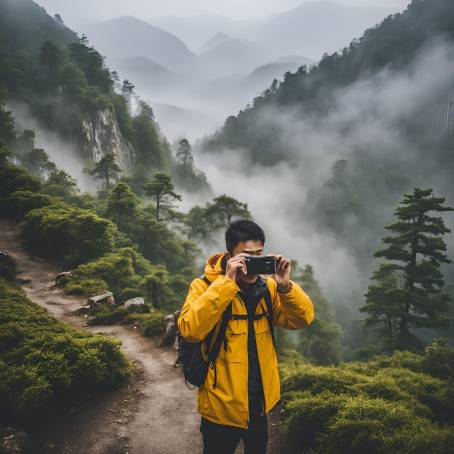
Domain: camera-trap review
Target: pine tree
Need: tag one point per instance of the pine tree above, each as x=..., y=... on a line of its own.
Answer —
x=407, y=290
x=106, y=169
x=223, y=209
x=161, y=189
x=122, y=206
x=184, y=154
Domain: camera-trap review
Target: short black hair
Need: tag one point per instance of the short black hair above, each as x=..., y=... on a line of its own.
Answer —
x=242, y=230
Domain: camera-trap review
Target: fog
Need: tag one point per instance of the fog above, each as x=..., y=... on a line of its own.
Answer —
x=372, y=109
x=61, y=153
x=199, y=62
x=105, y=9
x=194, y=90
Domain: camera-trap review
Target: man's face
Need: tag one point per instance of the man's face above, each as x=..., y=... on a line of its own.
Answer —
x=249, y=247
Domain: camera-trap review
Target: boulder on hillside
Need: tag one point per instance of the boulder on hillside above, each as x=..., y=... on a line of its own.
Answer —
x=8, y=266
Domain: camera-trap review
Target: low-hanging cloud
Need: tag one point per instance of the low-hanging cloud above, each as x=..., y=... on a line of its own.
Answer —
x=367, y=118
x=62, y=153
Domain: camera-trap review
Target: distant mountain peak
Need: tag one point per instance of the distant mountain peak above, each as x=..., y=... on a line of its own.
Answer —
x=218, y=39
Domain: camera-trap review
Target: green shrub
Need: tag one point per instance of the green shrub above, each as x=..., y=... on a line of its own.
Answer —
x=13, y=178
x=64, y=233
x=307, y=417
x=85, y=287
x=421, y=440
x=19, y=203
x=106, y=314
x=317, y=379
x=115, y=272
x=151, y=325
x=44, y=362
x=363, y=425
x=439, y=360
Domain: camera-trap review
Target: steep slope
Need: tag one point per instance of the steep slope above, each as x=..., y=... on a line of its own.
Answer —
x=263, y=75
x=360, y=128
x=128, y=36
x=146, y=74
x=30, y=25
x=51, y=78
x=393, y=45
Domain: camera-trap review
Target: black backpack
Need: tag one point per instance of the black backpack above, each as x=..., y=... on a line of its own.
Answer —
x=190, y=356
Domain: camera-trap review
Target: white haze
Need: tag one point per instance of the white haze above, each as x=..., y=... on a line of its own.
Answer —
x=240, y=9
x=195, y=90
x=275, y=196
x=60, y=152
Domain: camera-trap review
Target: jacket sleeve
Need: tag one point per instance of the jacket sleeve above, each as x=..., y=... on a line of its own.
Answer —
x=292, y=310
x=204, y=306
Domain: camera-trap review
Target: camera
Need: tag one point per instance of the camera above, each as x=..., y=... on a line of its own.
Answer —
x=263, y=264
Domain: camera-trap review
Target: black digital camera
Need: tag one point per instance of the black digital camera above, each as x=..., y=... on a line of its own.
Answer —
x=261, y=264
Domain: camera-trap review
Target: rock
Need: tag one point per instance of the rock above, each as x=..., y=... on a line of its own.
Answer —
x=23, y=280
x=103, y=298
x=100, y=132
x=8, y=266
x=15, y=441
x=170, y=331
x=139, y=301
x=61, y=277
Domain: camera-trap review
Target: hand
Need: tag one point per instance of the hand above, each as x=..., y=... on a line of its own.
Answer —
x=236, y=265
x=282, y=275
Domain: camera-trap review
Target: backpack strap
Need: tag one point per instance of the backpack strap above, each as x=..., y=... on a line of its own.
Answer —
x=220, y=338
x=269, y=306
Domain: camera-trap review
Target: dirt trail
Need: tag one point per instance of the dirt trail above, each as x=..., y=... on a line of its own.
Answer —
x=154, y=414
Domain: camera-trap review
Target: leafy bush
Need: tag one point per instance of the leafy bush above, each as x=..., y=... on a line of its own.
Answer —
x=385, y=405
x=44, y=362
x=308, y=416
x=67, y=234
x=439, y=360
x=107, y=314
x=19, y=203
x=317, y=379
x=151, y=325
x=13, y=178
x=115, y=272
x=363, y=425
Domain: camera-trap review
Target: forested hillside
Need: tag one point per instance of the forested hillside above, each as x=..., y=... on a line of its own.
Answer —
x=66, y=86
x=393, y=45
x=365, y=139
x=361, y=127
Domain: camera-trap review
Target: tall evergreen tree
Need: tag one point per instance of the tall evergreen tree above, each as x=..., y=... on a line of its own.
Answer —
x=106, y=170
x=184, y=153
x=161, y=189
x=407, y=292
x=223, y=209
x=122, y=206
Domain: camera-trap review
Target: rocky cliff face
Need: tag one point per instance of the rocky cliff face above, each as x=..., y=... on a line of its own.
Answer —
x=101, y=135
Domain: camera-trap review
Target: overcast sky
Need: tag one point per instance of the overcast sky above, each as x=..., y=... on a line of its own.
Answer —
x=106, y=9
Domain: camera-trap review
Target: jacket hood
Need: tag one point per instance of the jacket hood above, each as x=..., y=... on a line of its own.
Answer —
x=215, y=266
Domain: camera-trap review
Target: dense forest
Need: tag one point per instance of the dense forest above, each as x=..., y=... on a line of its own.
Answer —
x=372, y=376
x=360, y=128
x=362, y=122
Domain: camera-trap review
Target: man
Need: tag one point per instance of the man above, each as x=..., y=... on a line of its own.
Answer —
x=244, y=386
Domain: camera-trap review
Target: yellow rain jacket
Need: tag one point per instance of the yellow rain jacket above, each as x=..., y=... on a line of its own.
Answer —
x=227, y=403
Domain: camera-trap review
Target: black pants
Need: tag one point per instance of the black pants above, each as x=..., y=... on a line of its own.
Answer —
x=220, y=439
